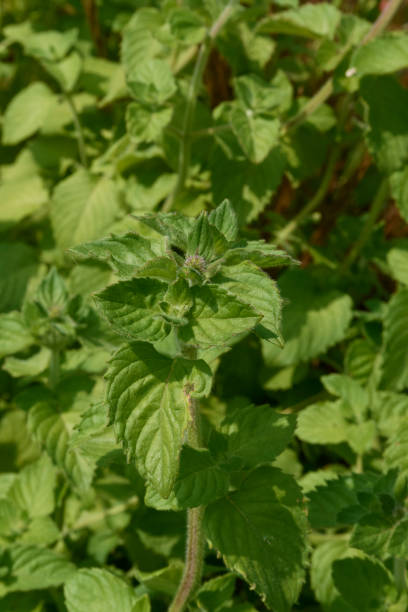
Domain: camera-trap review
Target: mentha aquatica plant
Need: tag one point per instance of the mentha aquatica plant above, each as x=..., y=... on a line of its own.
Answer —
x=183, y=298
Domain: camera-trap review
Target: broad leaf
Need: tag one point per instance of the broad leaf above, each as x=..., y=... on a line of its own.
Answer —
x=133, y=309
x=200, y=480
x=34, y=568
x=14, y=334
x=83, y=208
x=310, y=20
x=382, y=55
x=18, y=265
x=216, y=318
x=253, y=286
x=98, y=590
x=257, y=434
x=19, y=124
x=33, y=489
x=225, y=220
x=149, y=397
x=257, y=134
x=259, y=538
x=371, y=577
x=125, y=254
x=395, y=356
x=397, y=259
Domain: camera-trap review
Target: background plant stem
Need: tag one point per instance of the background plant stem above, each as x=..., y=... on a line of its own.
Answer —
x=195, y=547
x=373, y=214
x=78, y=129
x=186, y=136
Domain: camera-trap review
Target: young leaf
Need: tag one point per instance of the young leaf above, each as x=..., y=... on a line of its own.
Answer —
x=257, y=134
x=259, y=538
x=133, y=308
x=216, y=318
x=257, y=434
x=225, y=220
x=310, y=20
x=260, y=253
x=176, y=227
x=98, y=590
x=149, y=396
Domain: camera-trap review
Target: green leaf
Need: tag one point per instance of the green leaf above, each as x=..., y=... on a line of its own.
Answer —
x=322, y=582
x=216, y=319
x=52, y=293
x=215, y=592
x=260, y=253
x=387, y=136
x=139, y=42
x=83, y=208
x=360, y=359
x=152, y=83
x=396, y=453
x=51, y=45
x=257, y=434
x=98, y=590
x=65, y=71
x=259, y=538
x=18, y=265
x=174, y=226
x=200, y=480
x=328, y=500
x=125, y=254
x=348, y=389
x=186, y=26
x=395, y=357
x=371, y=577
x=310, y=20
x=382, y=55
x=144, y=125
x=133, y=308
x=225, y=220
x=34, y=568
x=52, y=429
x=397, y=259
x=21, y=199
x=14, y=335
x=262, y=96
x=254, y=287
x=323, y=423
x=33, y=489
x=149, y=396
x=18, y=123
x=257, y=134
x=373, y=534
x=399, y=190
x=315, y=319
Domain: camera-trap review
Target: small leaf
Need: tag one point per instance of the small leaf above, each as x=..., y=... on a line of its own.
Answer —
x=260, y=253
x=259, y=537
x=148, y=394
x=98, y=590
x=257, y=134
x=152, y=83
x=133, y=308
x=215, y=318
x=144, y=125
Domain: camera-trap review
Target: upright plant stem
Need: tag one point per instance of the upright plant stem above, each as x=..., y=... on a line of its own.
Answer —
x=374, y=212
x=78, y=129
x=54, y=368
x=194, y=560
x=186, y=136
x=327, y=88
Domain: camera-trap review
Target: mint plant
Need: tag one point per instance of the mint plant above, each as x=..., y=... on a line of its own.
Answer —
x=184, y=298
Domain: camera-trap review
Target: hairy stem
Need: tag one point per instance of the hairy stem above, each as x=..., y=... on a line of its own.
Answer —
x=373, y=214
x=327, y=88
x=195, y=547
x=78, y=129
x=186, y=136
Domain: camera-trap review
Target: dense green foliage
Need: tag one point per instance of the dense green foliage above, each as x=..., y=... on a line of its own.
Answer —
x=203, y=306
